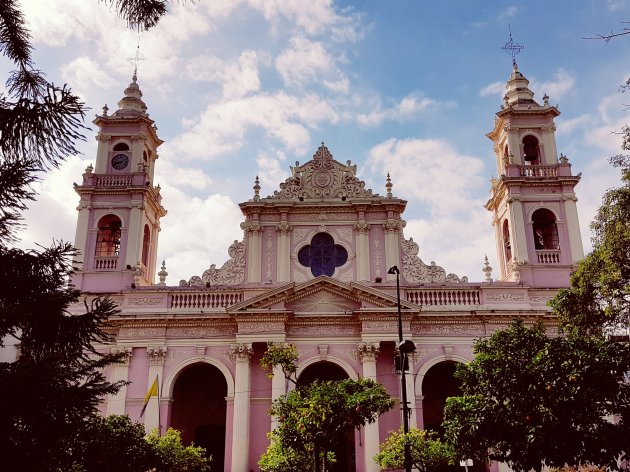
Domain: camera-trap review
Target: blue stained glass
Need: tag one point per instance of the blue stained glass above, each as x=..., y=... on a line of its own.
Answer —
x=322, y=255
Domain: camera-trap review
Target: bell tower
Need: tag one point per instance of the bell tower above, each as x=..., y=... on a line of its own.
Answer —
x=120, y=208
x=533, y=202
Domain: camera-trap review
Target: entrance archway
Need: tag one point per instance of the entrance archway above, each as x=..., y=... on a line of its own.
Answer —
x=344, y=450
x=438, y=384
x=199, y=409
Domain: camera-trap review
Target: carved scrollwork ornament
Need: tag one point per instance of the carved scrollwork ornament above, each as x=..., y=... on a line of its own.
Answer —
x=230, y=274
x=416, y=271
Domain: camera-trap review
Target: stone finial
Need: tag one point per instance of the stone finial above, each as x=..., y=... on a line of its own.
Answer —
x=105, y=110
x=564, y=159
x=546, y=100
x=256, y=189
x=388, y=186
x=89, y=169
x=162, y=274
x=487, y=270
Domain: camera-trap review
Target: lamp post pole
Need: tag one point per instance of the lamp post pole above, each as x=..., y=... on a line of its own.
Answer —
x=403, y=357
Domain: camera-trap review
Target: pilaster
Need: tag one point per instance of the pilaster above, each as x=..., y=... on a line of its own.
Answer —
x=368, y=353
x=241, y=353
x=361, y=231
x=278, y=388
x=156, y=356
x=517, y=224
x=573, y=228
x=284, y=249
x=392, y=245
x=116, y=403
x=253, y=232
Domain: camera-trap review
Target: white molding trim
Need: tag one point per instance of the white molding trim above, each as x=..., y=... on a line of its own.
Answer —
x=169, y=380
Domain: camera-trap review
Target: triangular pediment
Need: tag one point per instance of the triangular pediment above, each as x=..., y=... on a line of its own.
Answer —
x=322, y=295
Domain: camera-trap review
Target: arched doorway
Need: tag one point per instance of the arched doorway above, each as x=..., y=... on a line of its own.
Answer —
x=199, y=408
x=344, y=451
x=438, y=384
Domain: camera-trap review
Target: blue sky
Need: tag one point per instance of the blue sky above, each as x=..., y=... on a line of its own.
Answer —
x=240, y=88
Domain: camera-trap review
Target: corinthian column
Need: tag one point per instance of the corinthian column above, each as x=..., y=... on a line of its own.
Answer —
x=368, y=353
x=241, y=354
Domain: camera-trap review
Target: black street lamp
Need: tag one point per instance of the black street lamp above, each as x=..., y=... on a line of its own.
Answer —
x=404, y=348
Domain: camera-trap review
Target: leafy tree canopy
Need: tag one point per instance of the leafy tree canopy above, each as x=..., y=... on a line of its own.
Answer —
x=599, y=298
x=426, y=451
x=313, y=418
x=532, y=400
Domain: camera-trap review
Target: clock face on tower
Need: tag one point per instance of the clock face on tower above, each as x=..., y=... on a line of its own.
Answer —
x=120, y=161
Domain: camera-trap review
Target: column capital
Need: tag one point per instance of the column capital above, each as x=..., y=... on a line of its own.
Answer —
x=284, y=228
x=241, y=352
x=124, y=351
x=368, y=351
x=156, y=354
x=361, y=227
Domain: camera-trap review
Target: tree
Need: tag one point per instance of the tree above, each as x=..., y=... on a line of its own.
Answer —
x=313, y=418
x=599, y=298
x=427, y=452
x=57, y=382
x=532, y=400
x=173, y=456
x=112, y=443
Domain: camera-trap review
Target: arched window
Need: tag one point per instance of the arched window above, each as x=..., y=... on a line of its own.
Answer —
x=108, y=237
x=322, y=255
x=506, y=241
x=531, y=150
x=121, y=147
x=145, y=245
x=545, y=229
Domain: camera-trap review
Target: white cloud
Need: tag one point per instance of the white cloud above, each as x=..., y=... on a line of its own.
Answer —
x=308, y=61
x=568, y=126
x=313, y=17
x=561, y=84
x=430, y=171
x=272, y=171
x=238, y=77
x=198, y=234
x=616, y=5
x=170, y=175
x=495, y=88
x=509, y=12
x=85, y=74
x=221, y=127
x=406, y=109
x=53, y=214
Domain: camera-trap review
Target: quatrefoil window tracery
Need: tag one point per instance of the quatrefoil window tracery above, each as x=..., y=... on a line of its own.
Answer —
x=322, y=255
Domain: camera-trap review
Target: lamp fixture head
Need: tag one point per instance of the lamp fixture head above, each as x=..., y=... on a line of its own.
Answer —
x=393, y=270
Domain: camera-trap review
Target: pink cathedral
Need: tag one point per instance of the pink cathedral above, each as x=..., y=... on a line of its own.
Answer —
x=312, y=269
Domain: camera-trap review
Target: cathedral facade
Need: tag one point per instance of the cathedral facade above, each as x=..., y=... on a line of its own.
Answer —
x=314, y=268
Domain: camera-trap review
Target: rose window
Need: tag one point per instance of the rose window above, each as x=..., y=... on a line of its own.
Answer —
x=322, y=255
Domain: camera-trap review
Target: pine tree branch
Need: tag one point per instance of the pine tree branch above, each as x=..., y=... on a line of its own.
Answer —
x=14, y=36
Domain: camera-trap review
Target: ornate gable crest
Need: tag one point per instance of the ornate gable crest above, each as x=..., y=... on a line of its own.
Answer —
x=322, y=177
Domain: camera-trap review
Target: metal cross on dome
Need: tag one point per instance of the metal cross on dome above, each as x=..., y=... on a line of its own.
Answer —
x=512, y=48
x=138, y=57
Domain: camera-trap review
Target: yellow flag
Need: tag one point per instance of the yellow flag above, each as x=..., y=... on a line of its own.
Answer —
x=153, y=392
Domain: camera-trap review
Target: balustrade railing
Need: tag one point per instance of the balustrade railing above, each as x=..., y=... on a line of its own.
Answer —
x=105, y=262
x=450, y=297
x=122, y=180
x=538, y=171
x=205, y=299
x=546, y=256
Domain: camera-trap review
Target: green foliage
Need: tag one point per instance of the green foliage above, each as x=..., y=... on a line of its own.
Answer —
x=532, y=400
x=314, y=417
x=599, y=297
x=427, y=452
x=173, y=456
x=284, y=355
x=112, y=443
